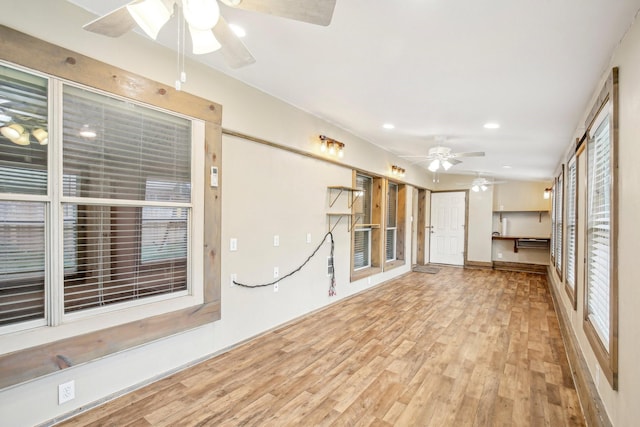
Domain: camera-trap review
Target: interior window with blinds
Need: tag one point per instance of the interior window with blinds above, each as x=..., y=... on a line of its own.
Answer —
x=599, y=202
x=554, y=214
x=570, y=277
x=24, y=197
x=362, y=233
x=392, y=222
x=559, y=221
x=131, y=197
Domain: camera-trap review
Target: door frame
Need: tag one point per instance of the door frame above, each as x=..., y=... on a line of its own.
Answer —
x=466, y=223
x=424, y=218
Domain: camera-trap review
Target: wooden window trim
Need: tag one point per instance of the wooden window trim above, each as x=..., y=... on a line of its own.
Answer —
x=572, y=293
x=401, y=224
x=33, y=362
x=377, y=239
x=607, y=358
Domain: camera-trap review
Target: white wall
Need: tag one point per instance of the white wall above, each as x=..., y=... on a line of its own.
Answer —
x=622, y=405
x=265, y=191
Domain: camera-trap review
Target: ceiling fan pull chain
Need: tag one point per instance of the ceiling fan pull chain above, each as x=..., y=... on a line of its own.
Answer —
x=182, y=75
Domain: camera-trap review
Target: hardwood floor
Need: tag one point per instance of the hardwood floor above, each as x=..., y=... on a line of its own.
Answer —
x=457, y=348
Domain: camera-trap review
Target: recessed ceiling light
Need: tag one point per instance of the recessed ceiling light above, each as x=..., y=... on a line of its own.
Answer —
x=388, y=126
x=506, y=167
x=491, y=125
x=238, y=30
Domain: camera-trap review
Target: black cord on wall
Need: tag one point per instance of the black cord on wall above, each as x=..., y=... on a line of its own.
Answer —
x=332, y=287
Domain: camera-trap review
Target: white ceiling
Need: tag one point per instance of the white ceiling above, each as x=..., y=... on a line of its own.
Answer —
x=439, y=68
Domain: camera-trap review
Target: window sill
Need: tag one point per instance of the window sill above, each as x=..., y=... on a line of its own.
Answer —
x=390, y=265
x=365, y=272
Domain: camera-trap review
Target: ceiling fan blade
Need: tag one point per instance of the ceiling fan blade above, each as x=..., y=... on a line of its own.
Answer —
x=415, y=157
x=317, y=12
x=235, y=53
x=469, y=154
x=417, y=162
x=454, y=161
x=113, y=24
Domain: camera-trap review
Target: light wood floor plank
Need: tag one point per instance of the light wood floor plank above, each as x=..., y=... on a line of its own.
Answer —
x=456, y=348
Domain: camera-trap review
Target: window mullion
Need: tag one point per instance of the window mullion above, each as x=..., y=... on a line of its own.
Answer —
x=55, y=234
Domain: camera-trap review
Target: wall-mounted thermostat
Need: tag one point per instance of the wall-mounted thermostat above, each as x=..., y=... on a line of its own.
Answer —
x=214, y=176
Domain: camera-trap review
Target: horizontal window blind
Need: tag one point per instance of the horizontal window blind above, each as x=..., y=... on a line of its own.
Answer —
x=599, y=230
x=362, y=205
x=392, y=222
x=23, y=172
x=23, y=102
x=22, y=261
x=559, y=222
x=554, y=215
x=108, y=258
x=390, y=249
x=133, y=144
x=392, y=205
x=362, y=235
x=571, y=223
x=142, y=158
x=361, y=248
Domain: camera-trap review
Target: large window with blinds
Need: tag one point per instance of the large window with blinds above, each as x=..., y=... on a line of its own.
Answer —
x=553, y=221
x=571, y=229
x=362, y=231
x=99, y=217
x=24, y=198
x=132, y=196
x=392, y=222
x=559, y=230
x=601, y=281
x=599, y=198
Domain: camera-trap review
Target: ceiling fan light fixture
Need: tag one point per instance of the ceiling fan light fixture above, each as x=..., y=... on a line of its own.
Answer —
x=201, y=14
x=87, y=132
x=484, y=187
x=475, y=188
x=150, y=15
x=446, y=164
x=434, y=165
x=41, y=135
x=238, y=30
x=12, y=132
x=203, y=41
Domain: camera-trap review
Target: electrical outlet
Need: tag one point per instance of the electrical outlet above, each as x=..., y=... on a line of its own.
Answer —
x=499, y=255
x=276, y=240
x=233, y=244
x=234, y=278
x=275, y=287
x=276, y=272
x=66, y=392
x=308, y=237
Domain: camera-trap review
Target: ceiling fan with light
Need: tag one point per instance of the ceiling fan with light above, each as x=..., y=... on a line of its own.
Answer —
x=208, y=29
x=482, y=184
x=442, y=157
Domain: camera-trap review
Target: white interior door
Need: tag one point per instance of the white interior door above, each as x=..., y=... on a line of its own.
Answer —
x=447, y=228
